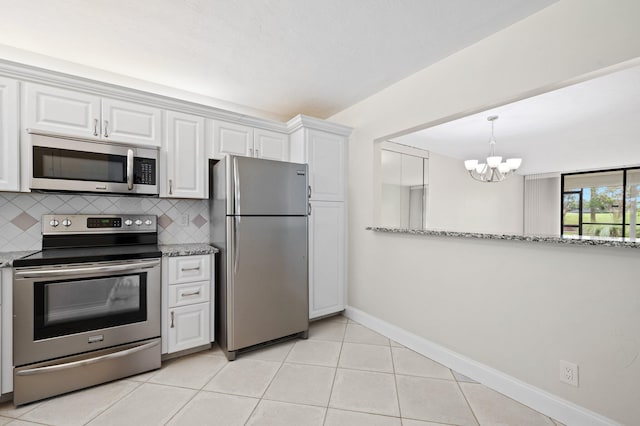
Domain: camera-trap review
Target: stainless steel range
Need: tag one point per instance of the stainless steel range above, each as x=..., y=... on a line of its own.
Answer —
x=87, y=307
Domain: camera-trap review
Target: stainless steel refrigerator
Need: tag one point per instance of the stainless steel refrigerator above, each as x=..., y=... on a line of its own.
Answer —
x=259, y=223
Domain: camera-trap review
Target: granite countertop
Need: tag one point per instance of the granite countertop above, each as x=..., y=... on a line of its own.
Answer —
x=577, y=240
x=172, y=250
x=7, y=258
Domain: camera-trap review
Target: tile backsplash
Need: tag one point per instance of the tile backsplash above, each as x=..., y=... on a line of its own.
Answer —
x=179, y=221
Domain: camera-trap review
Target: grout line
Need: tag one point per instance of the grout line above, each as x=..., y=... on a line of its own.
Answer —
x=335, y=373
x=473, y=413
x=139, y=384
x=395, y=381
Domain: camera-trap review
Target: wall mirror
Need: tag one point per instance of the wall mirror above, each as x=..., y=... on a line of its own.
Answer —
x=588, y=124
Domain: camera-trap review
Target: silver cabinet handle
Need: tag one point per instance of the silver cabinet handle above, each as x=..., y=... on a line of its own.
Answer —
x=309, y=210
x=129, y=168
x=106, y=128
x=95, y=127
x=250, y=152
x=173, y=317
x=66, y=366
x=197, y=268
x=190, y=293
x=257, y=153
x=88, y=270
x=170, y=186
x=309, y=191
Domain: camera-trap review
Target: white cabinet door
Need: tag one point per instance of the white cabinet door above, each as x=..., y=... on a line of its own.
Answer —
x=188, y=327
x=271, y=145
x=130, y=122
x=62, y=111
x=326, y=157
x=231, y=138
x=9, y=140
x=183, y=173
x=326, y=258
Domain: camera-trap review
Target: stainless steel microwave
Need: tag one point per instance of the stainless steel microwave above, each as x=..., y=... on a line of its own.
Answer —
x=67, y=163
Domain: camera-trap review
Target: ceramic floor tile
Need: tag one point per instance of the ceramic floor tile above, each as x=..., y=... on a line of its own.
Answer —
x=149, y=404
x=558, y=423
x=491, y=407
x=411, y=422
x=302, y=384
x=274, y=413
x=356, y=333
x=246, y=377
x=5, y=420
x=315, y=352
x=365, y=391
x=23, y=423
x=78, y=408
x=462, y=378
x=412, y=363
x=210, y=408
x=193, y=371
x=353, y=418
x=143, y=377
x=276, y=352
x=327, y=330
x=395, y=344
x=366, y=357
x=7, y=409
x=433, y=400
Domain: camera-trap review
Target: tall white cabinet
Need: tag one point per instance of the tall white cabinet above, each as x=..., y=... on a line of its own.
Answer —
x=324, y=147
x=9, y=142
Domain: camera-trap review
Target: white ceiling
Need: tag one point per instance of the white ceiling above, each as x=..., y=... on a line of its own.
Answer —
x=283, y=57
x=590, y=125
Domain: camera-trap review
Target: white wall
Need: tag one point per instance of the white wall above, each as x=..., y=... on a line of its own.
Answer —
x=548, y=302
x=459, y=203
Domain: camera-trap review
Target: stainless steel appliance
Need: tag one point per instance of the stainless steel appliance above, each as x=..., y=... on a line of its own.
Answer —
x=66, y=163
x=259, y=224
x=86, y=309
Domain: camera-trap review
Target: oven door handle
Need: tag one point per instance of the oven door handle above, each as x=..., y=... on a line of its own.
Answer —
x=87, y=270
x=73, y=364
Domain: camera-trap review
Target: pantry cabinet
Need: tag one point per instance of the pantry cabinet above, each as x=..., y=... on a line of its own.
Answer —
x=86, y=115
x=237, y=139
x=9, y=136
x=324, y=147
x=187, y=320
x=183, y=172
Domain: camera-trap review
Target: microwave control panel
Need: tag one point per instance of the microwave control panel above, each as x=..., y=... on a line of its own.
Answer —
x=144, y=171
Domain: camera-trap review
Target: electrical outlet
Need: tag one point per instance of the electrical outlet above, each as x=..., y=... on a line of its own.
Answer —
x=569, y=373
x=184, y=220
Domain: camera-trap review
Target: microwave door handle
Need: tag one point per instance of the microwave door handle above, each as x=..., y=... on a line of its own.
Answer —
x=130, y=169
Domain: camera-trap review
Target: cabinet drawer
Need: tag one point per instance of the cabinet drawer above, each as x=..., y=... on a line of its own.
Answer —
x=189, y=293
x=186, y=269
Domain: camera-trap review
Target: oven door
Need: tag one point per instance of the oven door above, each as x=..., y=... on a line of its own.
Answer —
x=70, y=309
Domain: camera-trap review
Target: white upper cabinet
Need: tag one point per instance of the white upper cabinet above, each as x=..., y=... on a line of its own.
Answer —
x=9, y=145
x=326, y=157
x=183, y=174
x=130, y=122
x=236, y=139
x=270, y=145
x=90, y=116
x=231, y=138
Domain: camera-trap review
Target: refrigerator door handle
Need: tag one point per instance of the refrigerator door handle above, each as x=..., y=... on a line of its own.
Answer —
x=236, y=246
x=309, y=210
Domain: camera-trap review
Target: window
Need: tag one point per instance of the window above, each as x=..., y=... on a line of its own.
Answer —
x=601, y=204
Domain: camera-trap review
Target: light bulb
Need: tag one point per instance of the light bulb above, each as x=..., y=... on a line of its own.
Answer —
x=470, y=164
x=514, y=163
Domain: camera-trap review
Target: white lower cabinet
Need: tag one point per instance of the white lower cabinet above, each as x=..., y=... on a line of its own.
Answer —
x=326, y=258
x=187, y=302
x=188, y=327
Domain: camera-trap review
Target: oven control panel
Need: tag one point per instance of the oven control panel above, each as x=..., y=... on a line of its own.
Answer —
x=97, y=223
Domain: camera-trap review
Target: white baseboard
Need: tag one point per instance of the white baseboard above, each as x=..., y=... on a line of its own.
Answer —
x=538, y=399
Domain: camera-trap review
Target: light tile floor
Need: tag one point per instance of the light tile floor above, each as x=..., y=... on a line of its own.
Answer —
x=344, y=374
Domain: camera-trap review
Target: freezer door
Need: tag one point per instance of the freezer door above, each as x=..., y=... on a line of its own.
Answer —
x=267, y=281
x=267, y=187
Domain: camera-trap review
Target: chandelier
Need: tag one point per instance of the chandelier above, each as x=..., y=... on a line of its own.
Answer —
x=494, y=169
